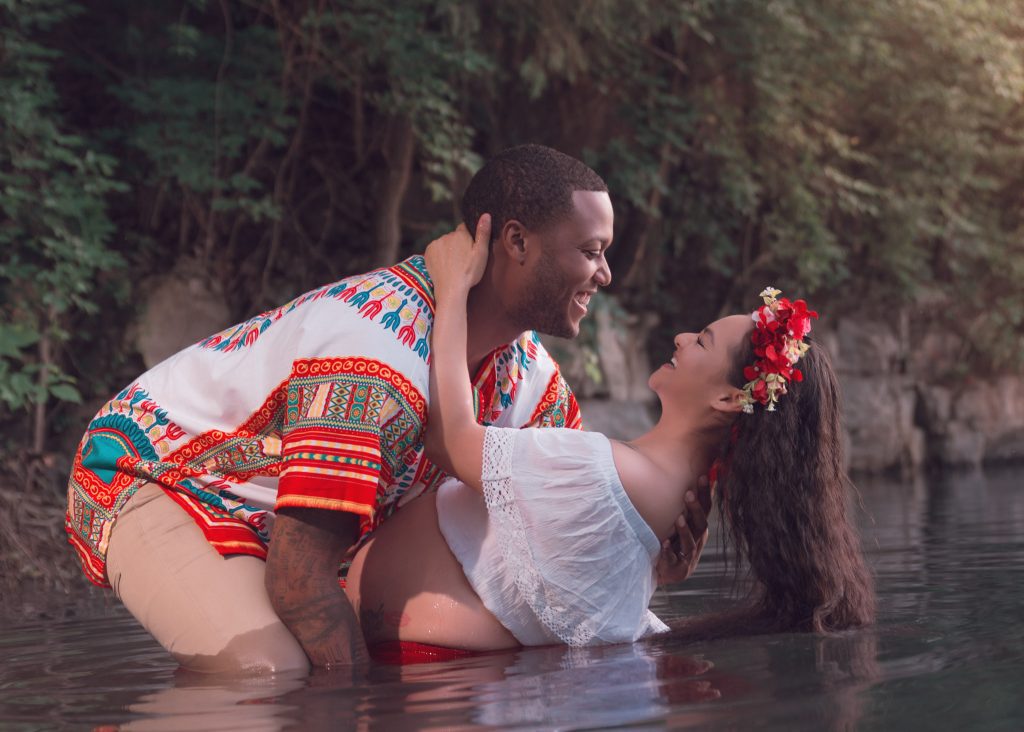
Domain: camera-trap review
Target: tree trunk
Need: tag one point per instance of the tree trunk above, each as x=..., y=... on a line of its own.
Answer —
x=399, y=143
x=39, y=413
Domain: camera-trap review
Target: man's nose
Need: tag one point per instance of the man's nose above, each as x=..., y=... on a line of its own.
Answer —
x=603, y=276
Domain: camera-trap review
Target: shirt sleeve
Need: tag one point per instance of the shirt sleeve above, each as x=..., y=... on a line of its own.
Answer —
x=345, y=419
x=558, y=407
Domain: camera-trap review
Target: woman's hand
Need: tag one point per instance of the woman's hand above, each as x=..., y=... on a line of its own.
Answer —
x=681, y=553
x=456, y=261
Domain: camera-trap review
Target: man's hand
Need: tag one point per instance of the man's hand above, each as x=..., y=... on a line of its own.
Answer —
x=306, y=549
x=681, y=553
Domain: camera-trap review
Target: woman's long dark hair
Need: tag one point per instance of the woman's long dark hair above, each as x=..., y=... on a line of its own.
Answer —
x=782, y=495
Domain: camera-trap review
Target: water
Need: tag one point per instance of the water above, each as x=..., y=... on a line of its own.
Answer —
x=947, y=653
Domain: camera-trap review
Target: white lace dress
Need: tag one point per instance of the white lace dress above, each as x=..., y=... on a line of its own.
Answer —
x=554, y=547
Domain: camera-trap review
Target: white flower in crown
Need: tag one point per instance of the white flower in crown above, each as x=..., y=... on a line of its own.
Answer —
x=767, y=311
x=794, y=350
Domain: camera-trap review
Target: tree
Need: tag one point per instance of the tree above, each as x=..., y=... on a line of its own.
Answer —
x=55, y=231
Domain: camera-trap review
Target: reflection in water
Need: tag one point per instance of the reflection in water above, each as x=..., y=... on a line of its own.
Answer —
x=197, y=702
x=948, y=556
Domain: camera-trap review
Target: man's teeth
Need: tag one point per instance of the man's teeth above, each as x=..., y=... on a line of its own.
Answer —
x=673, y=361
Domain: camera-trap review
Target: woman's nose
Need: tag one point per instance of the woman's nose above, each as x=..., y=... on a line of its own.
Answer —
x=681, y=339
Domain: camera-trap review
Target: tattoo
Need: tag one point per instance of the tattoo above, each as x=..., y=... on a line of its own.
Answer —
x=302, y=581
x=376, y=623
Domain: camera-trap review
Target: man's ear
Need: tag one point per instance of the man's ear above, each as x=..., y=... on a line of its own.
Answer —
x=512, y=240
x=728, y=400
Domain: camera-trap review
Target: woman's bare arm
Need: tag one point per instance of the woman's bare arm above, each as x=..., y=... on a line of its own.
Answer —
x=456, y=262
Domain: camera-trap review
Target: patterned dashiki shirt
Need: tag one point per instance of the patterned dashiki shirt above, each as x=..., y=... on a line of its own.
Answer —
x=319, y=403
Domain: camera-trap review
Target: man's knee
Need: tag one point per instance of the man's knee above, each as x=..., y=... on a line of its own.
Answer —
x=267, y=650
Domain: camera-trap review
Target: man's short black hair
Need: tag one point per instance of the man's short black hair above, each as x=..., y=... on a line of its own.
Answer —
x=531, y=184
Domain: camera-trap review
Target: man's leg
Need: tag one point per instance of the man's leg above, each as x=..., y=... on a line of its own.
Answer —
x=210, y=612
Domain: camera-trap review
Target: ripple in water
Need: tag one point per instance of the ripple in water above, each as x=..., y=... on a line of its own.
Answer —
x=948, y=652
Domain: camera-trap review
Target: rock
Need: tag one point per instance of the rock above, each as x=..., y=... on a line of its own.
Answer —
x=182, y=307
x=621, y=340
x=576, y=361
x=932, y=355
x=879, y=418
x=617, y=419
x=935, y=408
x=867, y=348
x=960, y=446
x=1007, y=447
x=986, y=423
x=609, y=358
x=917, y=450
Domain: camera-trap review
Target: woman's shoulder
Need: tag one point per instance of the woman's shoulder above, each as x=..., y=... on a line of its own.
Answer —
x=554, y=449
x=556, y=440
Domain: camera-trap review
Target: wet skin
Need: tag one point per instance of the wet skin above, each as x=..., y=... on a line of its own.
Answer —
x=405, y=584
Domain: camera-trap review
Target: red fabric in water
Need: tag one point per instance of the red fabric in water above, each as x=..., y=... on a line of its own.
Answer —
x=406, y=652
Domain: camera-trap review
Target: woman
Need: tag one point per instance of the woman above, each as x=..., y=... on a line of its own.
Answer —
x=561, y=545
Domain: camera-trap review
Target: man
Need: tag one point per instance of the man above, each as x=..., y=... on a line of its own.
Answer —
x=300, y=429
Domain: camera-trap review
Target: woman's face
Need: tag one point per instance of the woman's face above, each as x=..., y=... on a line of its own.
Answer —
x=698, y=371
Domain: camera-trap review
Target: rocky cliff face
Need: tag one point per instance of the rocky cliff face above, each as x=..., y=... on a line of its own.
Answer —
x=904, y=410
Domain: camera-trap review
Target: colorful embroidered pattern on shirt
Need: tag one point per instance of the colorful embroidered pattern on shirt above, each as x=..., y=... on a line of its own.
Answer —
x=128, y=444
x=558, y=407
x=335, y=432
x=400, y=298
x=349, y=422
x=499, y=378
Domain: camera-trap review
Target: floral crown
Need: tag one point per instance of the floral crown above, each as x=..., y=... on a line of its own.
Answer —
x=779, y=330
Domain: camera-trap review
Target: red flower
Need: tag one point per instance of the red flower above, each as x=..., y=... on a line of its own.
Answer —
x=778, y=325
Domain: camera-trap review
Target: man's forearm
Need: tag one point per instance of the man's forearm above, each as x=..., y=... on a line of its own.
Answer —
x=326, y=627
x=302, y=583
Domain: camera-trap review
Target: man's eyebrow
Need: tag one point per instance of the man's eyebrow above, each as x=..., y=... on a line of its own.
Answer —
x=711, y=334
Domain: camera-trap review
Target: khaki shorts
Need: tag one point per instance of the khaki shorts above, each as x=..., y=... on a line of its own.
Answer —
x=211, y=612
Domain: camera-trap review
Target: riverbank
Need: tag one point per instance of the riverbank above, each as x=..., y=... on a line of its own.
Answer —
x=38, y=570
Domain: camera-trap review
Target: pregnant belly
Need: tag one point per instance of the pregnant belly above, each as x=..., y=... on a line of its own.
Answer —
x=405, y=584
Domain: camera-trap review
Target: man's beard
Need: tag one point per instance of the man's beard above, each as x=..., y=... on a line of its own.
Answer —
x=543, y=305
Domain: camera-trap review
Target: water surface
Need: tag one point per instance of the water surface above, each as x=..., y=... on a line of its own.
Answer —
x=947, y=653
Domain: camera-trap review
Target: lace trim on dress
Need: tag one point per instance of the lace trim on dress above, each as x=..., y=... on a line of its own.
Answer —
x=513, y=544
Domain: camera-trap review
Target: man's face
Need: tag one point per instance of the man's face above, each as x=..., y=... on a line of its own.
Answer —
x=565, y=264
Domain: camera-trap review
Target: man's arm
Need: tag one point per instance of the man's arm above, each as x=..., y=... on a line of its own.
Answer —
x=681, y=552
x=306, y=548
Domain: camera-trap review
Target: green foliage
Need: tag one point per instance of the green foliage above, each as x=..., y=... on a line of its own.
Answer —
x=411, y=60
x=55, y=228
x=867, y=156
